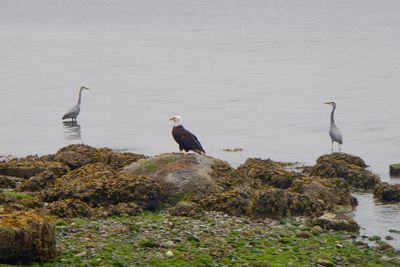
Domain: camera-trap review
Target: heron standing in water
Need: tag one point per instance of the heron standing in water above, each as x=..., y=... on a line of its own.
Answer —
x=73, y=112
x=334, y=132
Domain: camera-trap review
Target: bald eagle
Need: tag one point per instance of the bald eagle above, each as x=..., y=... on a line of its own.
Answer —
x=185, y=139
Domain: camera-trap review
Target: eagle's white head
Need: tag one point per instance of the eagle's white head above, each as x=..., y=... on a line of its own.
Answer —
x=177, y=120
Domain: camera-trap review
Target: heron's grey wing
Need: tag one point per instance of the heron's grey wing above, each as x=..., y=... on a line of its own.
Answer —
x=72, y=112
x=335, y=134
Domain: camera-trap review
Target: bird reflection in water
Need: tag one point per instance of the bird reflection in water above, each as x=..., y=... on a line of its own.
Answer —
x=72, y=130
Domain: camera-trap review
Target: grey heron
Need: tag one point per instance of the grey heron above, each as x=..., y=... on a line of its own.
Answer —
x=73, y=112
x=334, y=132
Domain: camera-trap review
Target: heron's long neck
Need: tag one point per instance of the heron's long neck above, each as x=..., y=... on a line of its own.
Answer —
x=332, y=115
x=80, y=95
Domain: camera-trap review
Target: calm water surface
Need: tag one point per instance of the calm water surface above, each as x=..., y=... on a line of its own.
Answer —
x=250, y=74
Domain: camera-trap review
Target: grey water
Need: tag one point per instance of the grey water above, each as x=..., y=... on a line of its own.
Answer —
x=248, y=74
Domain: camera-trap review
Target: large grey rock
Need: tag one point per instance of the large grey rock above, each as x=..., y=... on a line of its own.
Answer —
x=181, y=174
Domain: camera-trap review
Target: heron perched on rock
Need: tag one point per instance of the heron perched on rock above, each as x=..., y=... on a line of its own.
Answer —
x=334, y=132
x=73, y=112
x=185, y=139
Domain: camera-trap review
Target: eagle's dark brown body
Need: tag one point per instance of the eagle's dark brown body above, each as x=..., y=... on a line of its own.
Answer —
x=186, y=140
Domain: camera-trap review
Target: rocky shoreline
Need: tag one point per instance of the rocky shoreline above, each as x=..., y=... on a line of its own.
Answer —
x=96, y=207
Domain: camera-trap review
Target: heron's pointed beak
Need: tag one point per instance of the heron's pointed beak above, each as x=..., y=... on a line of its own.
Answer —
x=327, y=103
x=171, y=119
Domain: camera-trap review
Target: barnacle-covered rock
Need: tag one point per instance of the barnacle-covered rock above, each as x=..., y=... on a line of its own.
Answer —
x=387, y=192
x=76, y=156
x=335, y=222
x=351, y=168
x=99, y=185
x=26, y=236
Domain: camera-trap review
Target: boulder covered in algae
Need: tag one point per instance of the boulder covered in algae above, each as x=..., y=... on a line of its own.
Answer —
x=25, y=237
x=351, y=168
x=41, y=172
x=387, y=192
x=99, y=185
x=267, y=172
x=265, y=188
x=76, y=156
x=93, y=182
x=31, y=166
x=182, y=176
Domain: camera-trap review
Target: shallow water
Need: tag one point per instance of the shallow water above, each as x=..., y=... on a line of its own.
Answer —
x=376, y=218
x=249, y=74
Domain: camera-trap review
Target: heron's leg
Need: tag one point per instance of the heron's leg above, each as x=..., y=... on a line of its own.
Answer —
x=339, y=148
x=332, y=147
